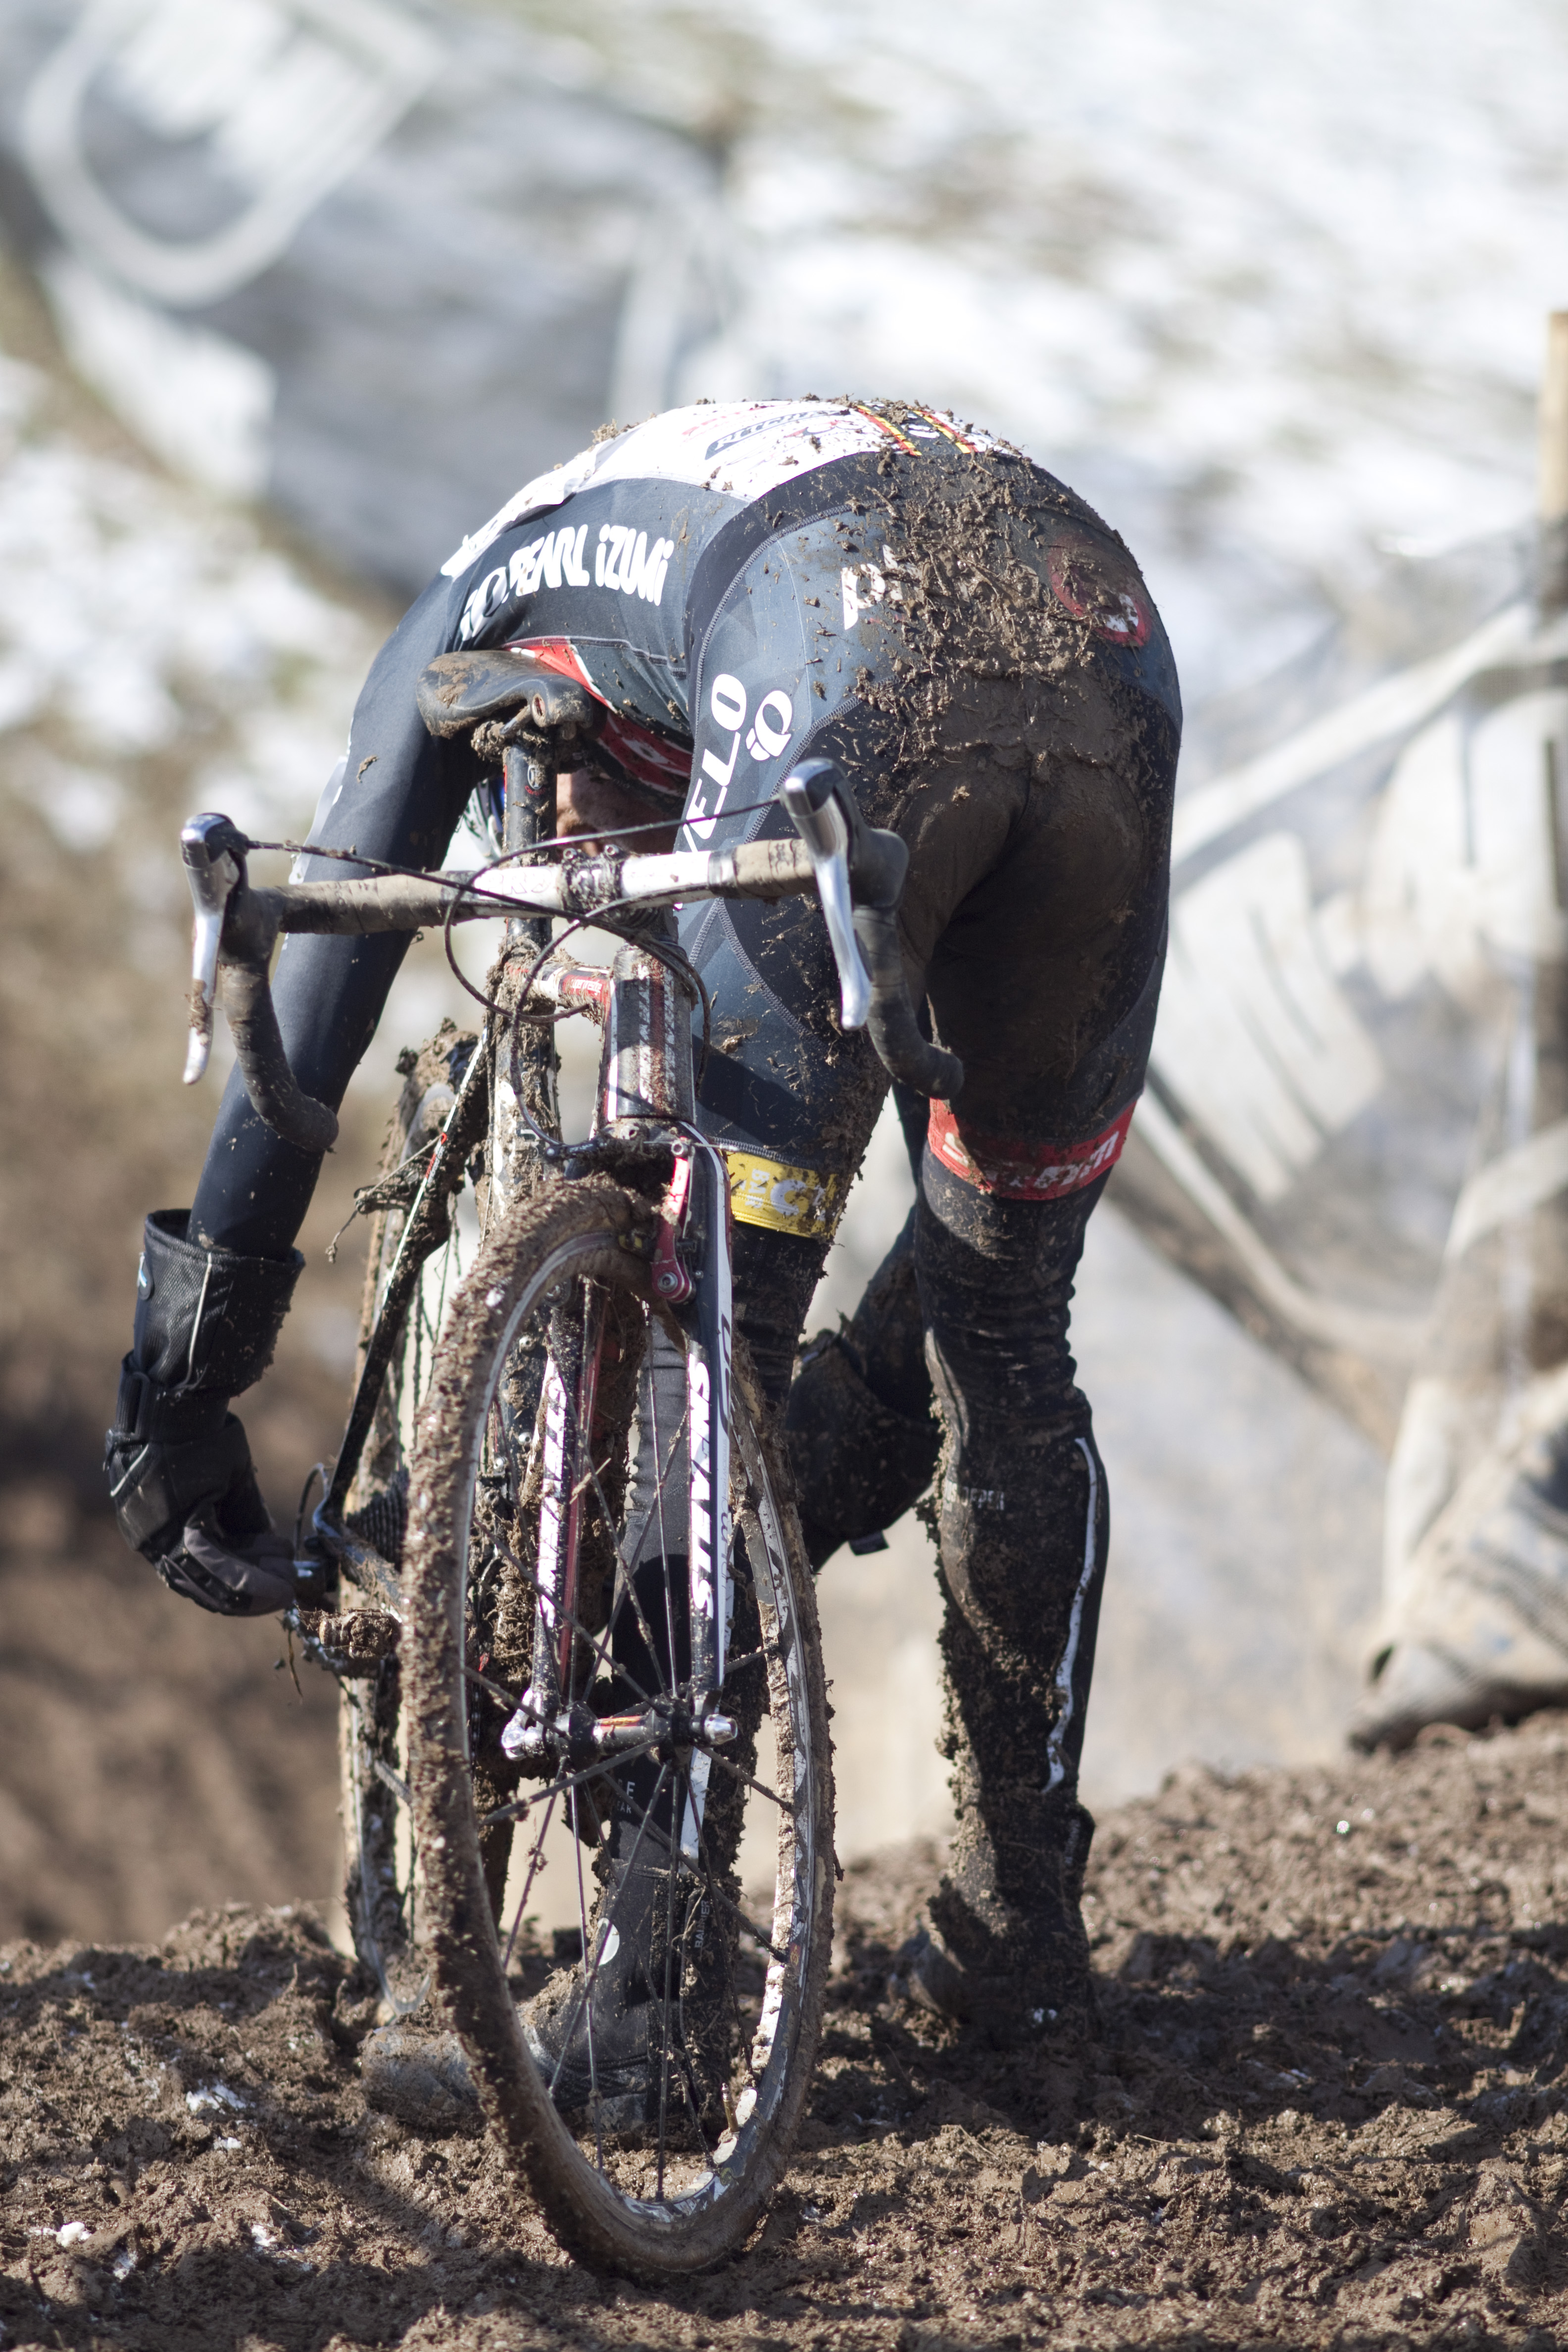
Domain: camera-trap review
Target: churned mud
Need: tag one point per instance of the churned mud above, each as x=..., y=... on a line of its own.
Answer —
x=1326, y=2103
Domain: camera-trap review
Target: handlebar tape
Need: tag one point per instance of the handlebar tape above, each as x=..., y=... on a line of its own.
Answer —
x=878, y=863
x=276, y=1094
x=906, y=1055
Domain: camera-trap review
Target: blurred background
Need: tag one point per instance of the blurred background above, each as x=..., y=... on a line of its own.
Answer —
x=292, y=292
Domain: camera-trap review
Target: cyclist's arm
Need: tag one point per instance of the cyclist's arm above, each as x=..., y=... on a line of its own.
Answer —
x=402, y=794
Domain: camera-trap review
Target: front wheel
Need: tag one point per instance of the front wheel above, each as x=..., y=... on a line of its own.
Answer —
x=647, y=2070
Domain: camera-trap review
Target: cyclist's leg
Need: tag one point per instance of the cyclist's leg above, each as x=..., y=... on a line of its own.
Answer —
x=1023, y=1523
x=1042, y=968
x=1003, y=1199
x=861, y=1423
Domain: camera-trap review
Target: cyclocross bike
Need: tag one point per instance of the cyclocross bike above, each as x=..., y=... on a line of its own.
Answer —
x=556, y=1568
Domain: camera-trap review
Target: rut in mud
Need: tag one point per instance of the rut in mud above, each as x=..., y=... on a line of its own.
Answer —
x=1326, y=2103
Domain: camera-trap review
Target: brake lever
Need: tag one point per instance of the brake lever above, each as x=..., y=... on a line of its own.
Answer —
x=808, y=793
x=845, y=850
x=213, y=849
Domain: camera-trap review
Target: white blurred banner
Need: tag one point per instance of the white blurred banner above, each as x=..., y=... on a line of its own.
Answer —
x=363, y=262
x=1357, y=1072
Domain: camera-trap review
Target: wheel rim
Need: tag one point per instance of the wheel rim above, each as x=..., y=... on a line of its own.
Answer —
x=707, y=2138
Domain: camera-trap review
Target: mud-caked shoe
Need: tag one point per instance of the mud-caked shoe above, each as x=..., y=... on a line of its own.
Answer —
x=1002, y=1946
x=1009, y=1994
x=624, y=2036
x=416, y=2072
x=594, y=2055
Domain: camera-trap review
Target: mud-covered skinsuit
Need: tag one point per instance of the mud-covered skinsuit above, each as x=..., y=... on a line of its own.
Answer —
x=744, y=585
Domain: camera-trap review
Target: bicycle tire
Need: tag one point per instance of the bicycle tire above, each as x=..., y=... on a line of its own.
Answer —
x=670, y=2202
x=379, y=1888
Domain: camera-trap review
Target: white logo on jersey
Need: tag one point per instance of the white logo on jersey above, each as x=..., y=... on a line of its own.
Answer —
x=622, y=558
x=864, y=584
x=770, y=731
x=727, y=702
x=768, y=735
x=557, y=557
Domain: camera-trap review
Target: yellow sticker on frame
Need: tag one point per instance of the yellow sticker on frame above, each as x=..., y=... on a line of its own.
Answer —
x=784, y=1199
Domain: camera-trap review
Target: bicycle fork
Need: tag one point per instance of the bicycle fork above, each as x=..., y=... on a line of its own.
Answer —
x=645, y=1095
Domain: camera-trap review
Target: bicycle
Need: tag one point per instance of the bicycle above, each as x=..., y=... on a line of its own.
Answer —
x=556, y=1568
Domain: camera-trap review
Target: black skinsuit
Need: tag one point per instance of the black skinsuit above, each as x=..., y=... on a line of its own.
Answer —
x=744, y=586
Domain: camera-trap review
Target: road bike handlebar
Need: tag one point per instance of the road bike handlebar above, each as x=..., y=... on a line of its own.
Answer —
x=857, y=872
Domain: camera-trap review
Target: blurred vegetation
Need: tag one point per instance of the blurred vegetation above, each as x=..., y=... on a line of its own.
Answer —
x=94, y=921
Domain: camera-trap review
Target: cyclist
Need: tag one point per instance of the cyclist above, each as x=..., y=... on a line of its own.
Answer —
x=739, y=586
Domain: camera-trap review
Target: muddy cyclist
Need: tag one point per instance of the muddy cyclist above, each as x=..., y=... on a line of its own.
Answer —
x=739, y=587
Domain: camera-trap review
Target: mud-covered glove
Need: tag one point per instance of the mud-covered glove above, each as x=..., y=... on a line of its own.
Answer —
x=179, y=1466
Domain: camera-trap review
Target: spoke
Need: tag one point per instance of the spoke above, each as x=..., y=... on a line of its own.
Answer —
x=664, y=2017
x=751, y=1927
x=596, y=1641
x=625, y=1584
x=626, y=1589
x=758, y=1935
x=760, y=1786
x=384, y=1772
x=589, y=1976
x=535, y=1863
x=687, y=2079
x=717, y=1892
x=514, y=1813
x=492, y=1690
x=512, y=1700
x=646, y=1829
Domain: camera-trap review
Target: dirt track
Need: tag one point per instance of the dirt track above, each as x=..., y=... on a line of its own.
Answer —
x=1327, y=2105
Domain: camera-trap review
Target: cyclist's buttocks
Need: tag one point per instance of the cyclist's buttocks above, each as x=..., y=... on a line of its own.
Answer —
x=745, y=586
x=737, y=588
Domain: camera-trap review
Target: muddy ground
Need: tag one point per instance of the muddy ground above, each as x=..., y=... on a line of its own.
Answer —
x=1326, y=2104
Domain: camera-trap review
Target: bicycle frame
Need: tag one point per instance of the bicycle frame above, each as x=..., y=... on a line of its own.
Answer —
x=565, y=1479
x=646, y=1101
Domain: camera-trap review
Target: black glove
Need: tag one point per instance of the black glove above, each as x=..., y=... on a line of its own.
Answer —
x=179, y=1466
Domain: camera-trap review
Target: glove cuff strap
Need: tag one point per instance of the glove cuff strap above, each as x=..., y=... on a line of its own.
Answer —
x=150, y=1414
x=207, y=1319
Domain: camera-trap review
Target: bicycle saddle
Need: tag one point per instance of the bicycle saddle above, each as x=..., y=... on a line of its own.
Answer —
x=463, y=690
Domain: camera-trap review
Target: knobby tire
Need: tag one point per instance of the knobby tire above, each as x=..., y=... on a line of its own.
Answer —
x=554, y=1243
